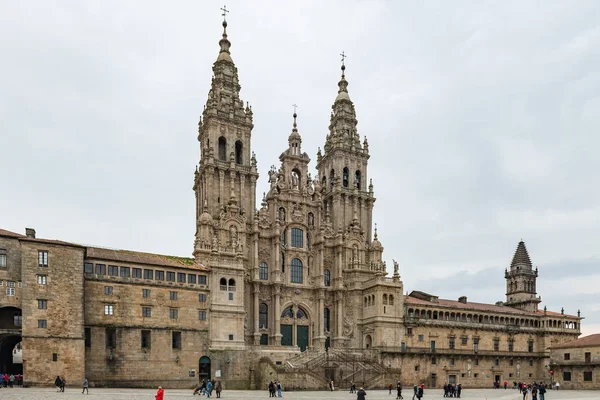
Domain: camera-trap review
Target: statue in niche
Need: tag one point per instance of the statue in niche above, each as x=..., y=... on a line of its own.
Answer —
x=355, y=253
x=272, y=176
x=233, y=236
x=295, y=180
x=215, y=242
x=395, y=267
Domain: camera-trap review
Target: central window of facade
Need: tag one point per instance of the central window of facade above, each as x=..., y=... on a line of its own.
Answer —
x=297, y=238
x=296, y=271
x=327, y=277
x=263, y=271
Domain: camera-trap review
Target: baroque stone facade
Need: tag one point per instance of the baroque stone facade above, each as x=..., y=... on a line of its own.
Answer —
x=296, y=288
x=575, y=364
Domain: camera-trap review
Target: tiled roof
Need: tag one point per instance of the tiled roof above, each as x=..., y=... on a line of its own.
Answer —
x=454, y=304
x=587, y=341
x=137, y=257
x=49, y=241
x=466, y=306
x=4, y=232
x=521, y=257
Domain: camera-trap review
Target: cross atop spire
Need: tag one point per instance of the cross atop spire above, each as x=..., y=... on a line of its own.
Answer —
x=343, y=57
x=224, y=15
x=295, y=107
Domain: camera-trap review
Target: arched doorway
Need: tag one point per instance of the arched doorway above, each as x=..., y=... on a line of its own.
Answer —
x=10, y=326
x=294, y=327
x=368, y=341
x=204, y=368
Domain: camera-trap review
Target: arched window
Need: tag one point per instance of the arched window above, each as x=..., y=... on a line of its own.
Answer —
x=365, y=299
x=263, y=271
x=391, y=302
x=222, y=148
x=297, y=237
x=327, y=278
x=296, y=271
x=331, y=177
x=223, y=284
x=301, y=314
x=385, y=299
x=311, y=219
x=263, y=316
x=281, y=214
x=288, y=312
x=326, y=319
x=232, y=285
x=357, y=179
x=238, y=152
x=345, y=177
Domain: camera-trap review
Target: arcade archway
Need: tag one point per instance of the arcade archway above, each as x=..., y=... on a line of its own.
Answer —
x=10, y=336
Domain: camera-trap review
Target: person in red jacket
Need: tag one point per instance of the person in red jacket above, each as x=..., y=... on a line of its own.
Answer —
x=160, y=393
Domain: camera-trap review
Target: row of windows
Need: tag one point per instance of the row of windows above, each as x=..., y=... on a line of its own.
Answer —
x=109, y=309
x=588, y=376
x=587, y=357
x=464, y=341
x=345, y=178
x=222, y=143
x=139, y=273
x=10, y=287
x=145, y=338
x=263, y=315
x=386, y=300
x=108, y=290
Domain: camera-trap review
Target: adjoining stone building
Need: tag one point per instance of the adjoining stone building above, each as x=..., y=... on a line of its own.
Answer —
x=575, y=364
x=295, y=289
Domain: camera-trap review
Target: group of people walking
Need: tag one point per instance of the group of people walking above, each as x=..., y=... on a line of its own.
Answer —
x=11, y=380
x=452, y=390
x=275, y=387
x=532, y=391
x=206, y=388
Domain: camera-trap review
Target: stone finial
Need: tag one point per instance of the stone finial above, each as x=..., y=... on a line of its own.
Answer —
x=578, y=313
x=545, y=310
x=562, y=311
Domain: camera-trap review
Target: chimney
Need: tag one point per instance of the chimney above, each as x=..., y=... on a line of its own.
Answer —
x=462, y=299
x=30, y=233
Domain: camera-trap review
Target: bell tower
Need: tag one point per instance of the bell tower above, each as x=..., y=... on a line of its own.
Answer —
x=225, y=189
x=521, y=281
x=343, y=167
x=227, y=173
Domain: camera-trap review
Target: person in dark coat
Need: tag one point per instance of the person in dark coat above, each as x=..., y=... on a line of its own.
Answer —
x=361, y=394
x=399, y=390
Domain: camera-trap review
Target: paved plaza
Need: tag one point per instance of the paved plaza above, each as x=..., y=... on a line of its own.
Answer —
x=146, y=394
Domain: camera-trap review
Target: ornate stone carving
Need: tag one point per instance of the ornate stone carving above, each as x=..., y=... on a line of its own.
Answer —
x=264, y=253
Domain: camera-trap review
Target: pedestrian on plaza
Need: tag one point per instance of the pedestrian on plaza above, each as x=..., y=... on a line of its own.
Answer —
x=416, y=391
x=331, y=386
x=279, y=388
x=399, y=391
x=63, y=383
x=361, y=394
x=218, y=389
x=58, y=383
x=85, y=386
x=352, y=387
x=160, y=394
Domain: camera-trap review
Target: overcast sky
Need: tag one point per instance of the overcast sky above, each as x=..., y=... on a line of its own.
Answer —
x=482, y=120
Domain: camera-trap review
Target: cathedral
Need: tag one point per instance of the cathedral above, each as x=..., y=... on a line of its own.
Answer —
x=293, y=289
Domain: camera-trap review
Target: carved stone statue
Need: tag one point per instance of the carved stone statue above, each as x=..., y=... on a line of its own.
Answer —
x=395, y=267
x=295, y=180
x=233, y=236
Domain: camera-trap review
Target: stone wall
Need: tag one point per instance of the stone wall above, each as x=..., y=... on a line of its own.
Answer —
x=58, y=348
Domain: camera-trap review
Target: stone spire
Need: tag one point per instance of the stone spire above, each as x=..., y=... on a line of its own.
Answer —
x=343, y=122
x=521, y=260
x=295, y=140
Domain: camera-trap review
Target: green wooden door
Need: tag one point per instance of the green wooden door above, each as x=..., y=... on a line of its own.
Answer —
x=286, y=332
x=302, y=337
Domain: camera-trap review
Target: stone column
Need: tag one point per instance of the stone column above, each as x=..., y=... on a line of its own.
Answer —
x=222, y=187
x=277, y=316
x=256, y=314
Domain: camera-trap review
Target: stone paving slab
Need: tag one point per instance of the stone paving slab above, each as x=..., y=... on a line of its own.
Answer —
x=147, y=394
